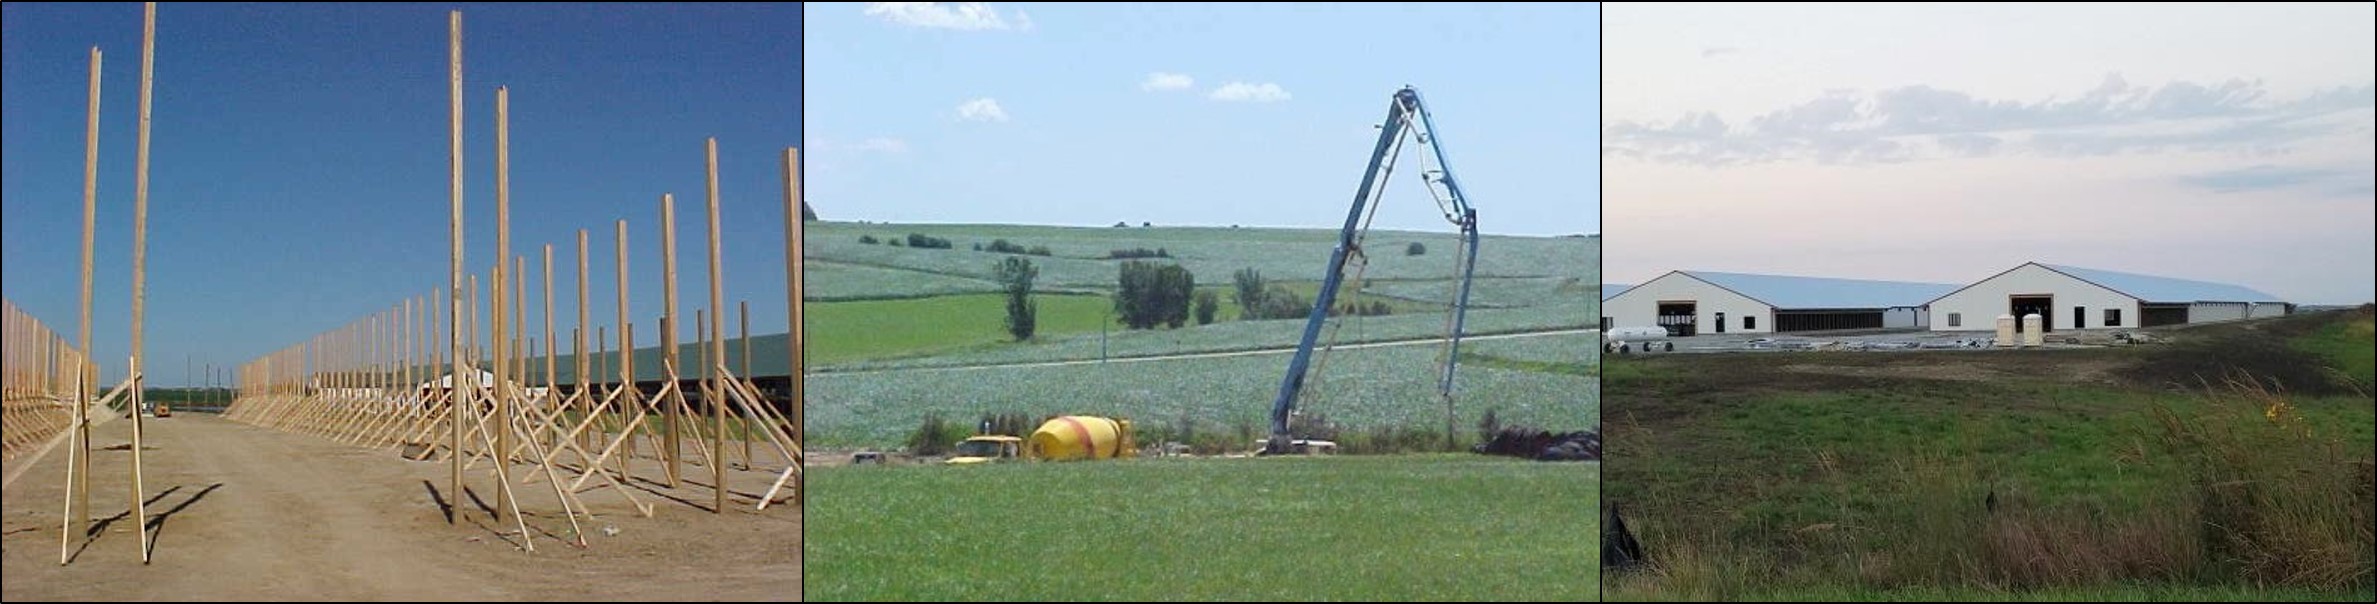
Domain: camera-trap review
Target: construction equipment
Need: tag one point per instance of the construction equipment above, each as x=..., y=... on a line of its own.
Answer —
x=1064, y=438
x=1073, y=437
x=987, y=448
x=1405, y=115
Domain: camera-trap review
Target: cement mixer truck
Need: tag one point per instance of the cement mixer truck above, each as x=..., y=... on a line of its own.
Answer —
x=1064, y=438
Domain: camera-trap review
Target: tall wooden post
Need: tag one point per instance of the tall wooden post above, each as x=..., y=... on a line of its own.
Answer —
x=501, y=330
x=140, y=264
x=627, y=368
x=550, y=388
x=520, y=338
x=411, y=329
x=717, y=342
x=460, y=383
x=743, y=315
x=78, y=463
x=675, y=403
x=792, y=305
x=578, y=345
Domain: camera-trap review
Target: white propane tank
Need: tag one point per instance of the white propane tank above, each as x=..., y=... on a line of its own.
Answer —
x=2005, y=330
x=2034, y=330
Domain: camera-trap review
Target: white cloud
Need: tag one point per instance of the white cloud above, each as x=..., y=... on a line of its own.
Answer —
x=963, y=16
x=1919, y=122
x=1242, y=92
x=981, y=110
x=1167, y=81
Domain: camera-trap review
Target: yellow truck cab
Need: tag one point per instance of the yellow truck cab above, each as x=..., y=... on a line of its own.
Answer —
x=984, y=449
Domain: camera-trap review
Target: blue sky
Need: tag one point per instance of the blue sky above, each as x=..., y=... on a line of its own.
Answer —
x=1252, y=114
x=298, y=176
x=1947, y=142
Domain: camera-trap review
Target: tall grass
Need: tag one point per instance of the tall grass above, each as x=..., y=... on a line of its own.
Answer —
x=2281, y=503
x=2253, y=495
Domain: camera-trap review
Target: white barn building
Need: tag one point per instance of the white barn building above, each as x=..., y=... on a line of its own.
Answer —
x=1691, y=303
x=2069, y=297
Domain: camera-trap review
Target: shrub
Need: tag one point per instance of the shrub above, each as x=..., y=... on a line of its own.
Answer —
x=1151, y=294
x=1248, y=290
x=923, y=241
x=1125, y=254
x=1415, y=249
x=1207, y=304
x=869, y=239
x=934, y=436
x=1006, y=247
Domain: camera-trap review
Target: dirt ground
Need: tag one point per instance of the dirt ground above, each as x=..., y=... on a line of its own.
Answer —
x=242, y=514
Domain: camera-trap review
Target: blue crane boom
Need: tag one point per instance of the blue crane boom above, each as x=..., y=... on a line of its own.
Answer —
x=1406, y=115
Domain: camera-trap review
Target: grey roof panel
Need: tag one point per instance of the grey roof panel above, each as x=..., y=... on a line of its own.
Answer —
x=2150, y=288
x=1789, y=292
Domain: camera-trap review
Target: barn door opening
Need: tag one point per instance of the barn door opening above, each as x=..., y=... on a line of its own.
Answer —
x=1679, y=318
x=2079, y=317
x=2043, y=306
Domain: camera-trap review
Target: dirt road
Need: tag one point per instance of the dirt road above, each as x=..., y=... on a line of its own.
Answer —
x=243, y=513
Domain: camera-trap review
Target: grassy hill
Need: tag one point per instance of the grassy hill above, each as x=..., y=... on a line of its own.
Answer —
x=878, y=305
x=2115, y=472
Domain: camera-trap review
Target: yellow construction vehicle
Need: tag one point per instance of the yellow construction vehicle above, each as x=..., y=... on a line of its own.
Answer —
x=988, y=448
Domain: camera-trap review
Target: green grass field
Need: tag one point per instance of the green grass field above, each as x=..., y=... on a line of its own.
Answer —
x=2002, y=475
x=1363, y=388
x=942, y=328
x=895, y=310
x=1222, y=336
x=840, y=332
x=1211, y=253
x=1445, y=527
x=2346, y=345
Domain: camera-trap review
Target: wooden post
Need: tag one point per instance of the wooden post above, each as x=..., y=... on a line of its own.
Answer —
x=405, y=398
x=743, y=315
x=459, y=383
x=629, y=397
x=501, y=330
x=549, y=336
x=675, y=403
x=140, y=263
x=578, y=343
x=520, y=338
x=717, y=352
x=78, y=464
x=792, y=304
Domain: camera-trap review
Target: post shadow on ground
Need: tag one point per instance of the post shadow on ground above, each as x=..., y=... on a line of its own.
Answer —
x=443, y=508
x=96, y=529
x=157, y=523
x=496, y=522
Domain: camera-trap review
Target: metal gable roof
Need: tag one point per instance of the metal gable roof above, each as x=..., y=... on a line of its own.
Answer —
x=2150, y=288
x=1790, y=292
